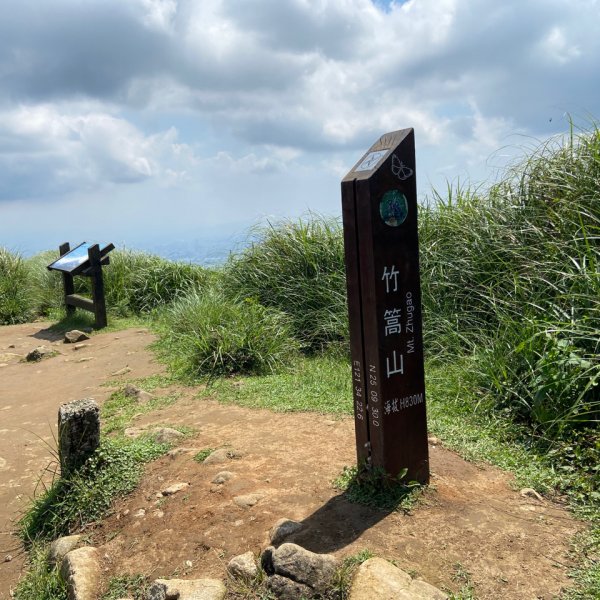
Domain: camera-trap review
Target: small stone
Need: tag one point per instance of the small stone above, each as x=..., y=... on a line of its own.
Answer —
x=132, y=391
x=282, y=529
x=80, y=346
x=74, y=336
x=159, y=514
x=217, y=457
x=8, y=558
x=434, y=441
x=188, y=563
x=60, y=547
x=38, y=353
x=222, y=477
x=11, y=346
x=181, y=589
x=166, y=435
x=85, y=359
x=286, y=589
x=176, y=487
x=531, y=493
x=80, y=570
x=243, y=566
x=138, y=514
x=248, y=500
x=122, y=371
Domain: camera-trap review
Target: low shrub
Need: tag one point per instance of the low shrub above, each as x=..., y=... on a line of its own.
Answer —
x=208, y=335
x=296, y=268
x=15, y=303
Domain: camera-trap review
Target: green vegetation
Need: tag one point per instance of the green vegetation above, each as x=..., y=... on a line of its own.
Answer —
x=69, y=504
x=375, y=488
x=319, y=383
x=131, y=586
x=297, y=268
x=42, y=581
x=208, y=334
x=14, y=288
x=203, y=454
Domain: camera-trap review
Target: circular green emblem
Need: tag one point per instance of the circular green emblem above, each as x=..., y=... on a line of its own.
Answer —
x=393, y=208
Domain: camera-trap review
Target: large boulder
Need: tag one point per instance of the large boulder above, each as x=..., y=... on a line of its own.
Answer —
x=302, y=566
x=80, y=570
x=377, y=579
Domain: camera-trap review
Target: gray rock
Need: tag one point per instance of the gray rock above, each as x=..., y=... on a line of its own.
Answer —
x=303, y=566
x=74, y=336
x=217, y=457
x=60, y=547
x=377, y=578
x=132, y=391
x=176, y=487
x=243, y=566
x=286, y=589
x=80, y=570
x=222, y=477
x=38, y=353
x=282, y=529
x=248, y=500
x=166, y=435
x=78, y=433
x=181, y=589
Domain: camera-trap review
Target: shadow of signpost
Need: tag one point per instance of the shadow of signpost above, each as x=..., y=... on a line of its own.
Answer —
x=336, y=524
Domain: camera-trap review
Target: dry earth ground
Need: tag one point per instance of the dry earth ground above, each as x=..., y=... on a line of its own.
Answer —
x=471, y=519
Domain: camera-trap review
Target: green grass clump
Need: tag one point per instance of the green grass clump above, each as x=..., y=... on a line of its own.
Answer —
x=297, y=268
x=210, y=335
x=373, y=487
x=15, y=305
x=130, y=586
x=42, y=581
x=203, y=454
x=85, y=496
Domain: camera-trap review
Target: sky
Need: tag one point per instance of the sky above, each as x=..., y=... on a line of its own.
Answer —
x=150, y=123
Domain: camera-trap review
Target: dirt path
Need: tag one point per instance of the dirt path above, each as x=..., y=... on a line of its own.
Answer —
x=30, y=394
x=469, y=520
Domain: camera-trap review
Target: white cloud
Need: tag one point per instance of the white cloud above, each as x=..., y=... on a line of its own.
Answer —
x=159, y=94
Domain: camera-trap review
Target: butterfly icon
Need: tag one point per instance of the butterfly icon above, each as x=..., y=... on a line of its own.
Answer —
x=400, y=170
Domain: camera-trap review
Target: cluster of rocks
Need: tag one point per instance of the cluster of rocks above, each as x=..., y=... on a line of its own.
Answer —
x=293, y=573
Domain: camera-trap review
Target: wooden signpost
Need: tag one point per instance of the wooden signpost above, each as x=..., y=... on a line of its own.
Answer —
x=85, y=259
x=379, y=205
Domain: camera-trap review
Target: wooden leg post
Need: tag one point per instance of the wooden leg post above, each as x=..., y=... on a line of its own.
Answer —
x=97, y=287
x=68, y=284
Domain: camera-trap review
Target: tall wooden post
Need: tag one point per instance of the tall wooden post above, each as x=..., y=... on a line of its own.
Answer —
x=379, y=202
x=97, y=286
x=68, y=283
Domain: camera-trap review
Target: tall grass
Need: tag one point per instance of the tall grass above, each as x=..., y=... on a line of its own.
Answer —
x=15, y=305
x=297, y=268
x=513, y=276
